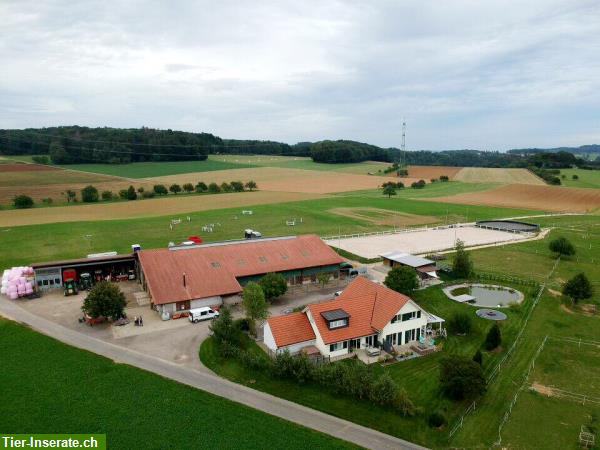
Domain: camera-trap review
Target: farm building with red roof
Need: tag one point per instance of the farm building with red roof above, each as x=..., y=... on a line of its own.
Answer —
x=365, y=315
x=187, y=277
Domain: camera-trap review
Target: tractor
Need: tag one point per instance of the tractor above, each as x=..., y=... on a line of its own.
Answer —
x=85, y=281
x=70, y=287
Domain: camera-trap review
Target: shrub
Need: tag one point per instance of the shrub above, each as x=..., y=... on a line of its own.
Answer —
x=131, y=194
x=462, y=266
x=402, y=279
x=493, y=338
x=201, y=187
x=575, y=177
x=22, y=202
x=459, y=323
x=123, y=194
x=89, y=194
x=418, y=184
x=105, y=299
x=562, y=246
x=226, y=187
x=461, y=378
x=273, y=285
x=214, y=188
x=478, y=357
x=160, y=189
x=578, y=288
x=237, y=186
x=107, y=195
x=41, y=159
x=436, y=419
x=389, y=191
x=444, y=178
x=188, y=187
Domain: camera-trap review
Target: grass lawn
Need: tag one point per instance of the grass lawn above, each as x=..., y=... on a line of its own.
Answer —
x=561, y=365
x=39, y=243
x=533, y=260
x=418, y=376
x=156, y=169
x=79, y=392
x=587, y=178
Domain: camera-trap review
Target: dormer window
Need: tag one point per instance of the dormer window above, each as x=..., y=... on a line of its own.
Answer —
x=336, y=318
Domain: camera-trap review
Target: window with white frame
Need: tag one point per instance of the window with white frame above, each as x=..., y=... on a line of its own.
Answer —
x=338, y=323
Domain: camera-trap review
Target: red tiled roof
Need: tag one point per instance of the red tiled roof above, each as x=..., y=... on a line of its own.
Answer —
x=212, y=270
x=291, y=329
x=370, y=306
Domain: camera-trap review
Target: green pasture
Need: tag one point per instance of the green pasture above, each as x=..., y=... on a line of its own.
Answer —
x=38, y=243
x=587, y=178
x=60, y=389
x=566, y=366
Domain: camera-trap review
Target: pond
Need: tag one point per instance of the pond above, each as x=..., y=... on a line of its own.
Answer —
x=488, y=295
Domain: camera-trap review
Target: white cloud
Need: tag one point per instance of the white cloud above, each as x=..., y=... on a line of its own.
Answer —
x=491, y=74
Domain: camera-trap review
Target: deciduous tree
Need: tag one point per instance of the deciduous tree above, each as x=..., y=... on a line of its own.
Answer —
x=402, y=279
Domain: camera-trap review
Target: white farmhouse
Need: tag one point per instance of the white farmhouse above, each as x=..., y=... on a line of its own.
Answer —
x=365, y=315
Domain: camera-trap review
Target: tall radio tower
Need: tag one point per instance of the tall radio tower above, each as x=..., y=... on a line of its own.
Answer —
x=403, y=149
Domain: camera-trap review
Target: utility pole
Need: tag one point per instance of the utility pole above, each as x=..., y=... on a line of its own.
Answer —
x=403, y=149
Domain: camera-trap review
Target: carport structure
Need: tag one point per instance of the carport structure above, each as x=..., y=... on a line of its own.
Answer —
x=49, y=275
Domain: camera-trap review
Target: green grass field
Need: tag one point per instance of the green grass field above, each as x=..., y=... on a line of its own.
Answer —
x=530, y=260
x=566, y=366
x=55, y=388
x=587, y=178
x=39, y=243
x=156, y=169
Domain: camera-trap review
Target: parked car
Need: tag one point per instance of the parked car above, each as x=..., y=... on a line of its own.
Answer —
x=205, y=313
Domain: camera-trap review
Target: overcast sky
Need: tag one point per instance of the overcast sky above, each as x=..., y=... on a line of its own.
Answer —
x=465, y=74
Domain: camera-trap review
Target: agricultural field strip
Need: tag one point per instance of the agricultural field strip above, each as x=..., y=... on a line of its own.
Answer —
x=146, y=208
x=494, y=372
x=545, y=198
x=531, y=367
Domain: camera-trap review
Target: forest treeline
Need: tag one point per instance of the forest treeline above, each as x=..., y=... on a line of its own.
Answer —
x=75, y=144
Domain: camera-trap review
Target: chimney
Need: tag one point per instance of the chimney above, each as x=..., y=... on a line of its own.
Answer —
x=184, y=285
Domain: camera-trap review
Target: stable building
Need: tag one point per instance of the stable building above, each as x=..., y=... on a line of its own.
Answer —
x=426, y=268
x=182, y=278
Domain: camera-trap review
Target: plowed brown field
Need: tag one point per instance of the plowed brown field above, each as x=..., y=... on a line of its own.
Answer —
x=545, y=198
x=279, y=179
x=428, y=172
x=9, y=167
x=145, y=208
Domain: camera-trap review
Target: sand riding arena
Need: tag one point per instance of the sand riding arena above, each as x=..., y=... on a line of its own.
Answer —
x=422, y=240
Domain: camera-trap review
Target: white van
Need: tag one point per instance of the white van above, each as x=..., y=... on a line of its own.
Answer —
x=198, y=314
